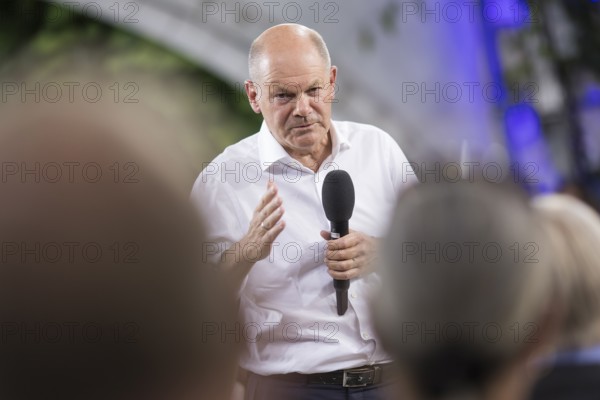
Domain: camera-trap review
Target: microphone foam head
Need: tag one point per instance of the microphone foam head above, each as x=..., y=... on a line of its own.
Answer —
x=338, y=196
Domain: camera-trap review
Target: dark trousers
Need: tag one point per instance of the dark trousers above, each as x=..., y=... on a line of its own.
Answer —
x=264, y=388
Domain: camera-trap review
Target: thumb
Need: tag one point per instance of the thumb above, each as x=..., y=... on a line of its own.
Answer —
x=326, y=235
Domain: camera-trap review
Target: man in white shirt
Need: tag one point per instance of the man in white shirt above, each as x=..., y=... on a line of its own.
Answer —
x=276, y=244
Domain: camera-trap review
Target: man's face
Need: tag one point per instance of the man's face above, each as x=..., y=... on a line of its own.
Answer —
x=294, y=92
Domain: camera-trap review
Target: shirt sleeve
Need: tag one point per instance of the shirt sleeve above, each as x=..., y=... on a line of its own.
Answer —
x=217, y=208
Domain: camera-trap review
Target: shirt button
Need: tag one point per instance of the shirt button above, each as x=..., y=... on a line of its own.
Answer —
x=353, y=295
x=365, y=336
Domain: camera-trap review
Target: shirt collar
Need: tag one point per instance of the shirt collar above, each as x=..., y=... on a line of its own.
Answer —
x=339, y=141
x=270, y=151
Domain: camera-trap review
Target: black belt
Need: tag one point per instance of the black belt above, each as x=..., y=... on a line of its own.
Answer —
x=355, y=377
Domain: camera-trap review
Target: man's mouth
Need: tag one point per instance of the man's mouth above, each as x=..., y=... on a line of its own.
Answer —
x=303, y=126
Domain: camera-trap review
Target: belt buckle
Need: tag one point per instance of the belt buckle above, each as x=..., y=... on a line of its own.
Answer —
x=359, y=377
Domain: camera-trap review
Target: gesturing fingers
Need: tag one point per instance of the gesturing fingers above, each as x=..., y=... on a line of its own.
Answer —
x=269, y=211
x=266, y=224
x=271, y=220
x=267, y=199
x=274, y=231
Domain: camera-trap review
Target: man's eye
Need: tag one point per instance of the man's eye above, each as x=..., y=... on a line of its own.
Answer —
x=282, y=96
x=314, y=92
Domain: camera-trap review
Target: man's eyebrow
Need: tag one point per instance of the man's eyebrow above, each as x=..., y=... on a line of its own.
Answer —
x=287, y=87
x=281, y=86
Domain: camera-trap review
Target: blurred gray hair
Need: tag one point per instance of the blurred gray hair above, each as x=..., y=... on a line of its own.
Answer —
x=574, y=229
x=436, y=302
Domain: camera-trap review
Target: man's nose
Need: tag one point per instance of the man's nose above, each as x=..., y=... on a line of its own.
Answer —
x=303, y=107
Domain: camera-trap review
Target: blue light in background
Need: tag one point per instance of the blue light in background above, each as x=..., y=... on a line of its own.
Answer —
x=589, y=117
x=591, y=96
x=506, y=13
x=529, y=152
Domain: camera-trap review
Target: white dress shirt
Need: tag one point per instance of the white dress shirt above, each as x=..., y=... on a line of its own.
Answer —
x=289, y=321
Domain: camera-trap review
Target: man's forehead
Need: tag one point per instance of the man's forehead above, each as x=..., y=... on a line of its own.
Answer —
x=302, y=74
x=292, y=85
x=280, y=63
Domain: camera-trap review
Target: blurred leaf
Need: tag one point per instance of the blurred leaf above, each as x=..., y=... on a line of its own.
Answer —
x=389, y=16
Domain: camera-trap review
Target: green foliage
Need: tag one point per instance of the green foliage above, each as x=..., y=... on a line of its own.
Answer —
x=19, y=21
x=35, y=47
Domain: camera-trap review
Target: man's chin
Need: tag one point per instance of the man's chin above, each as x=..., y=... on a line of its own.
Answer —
x=307, y=138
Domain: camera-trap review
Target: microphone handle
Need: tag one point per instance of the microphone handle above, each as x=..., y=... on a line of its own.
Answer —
x=340, y=229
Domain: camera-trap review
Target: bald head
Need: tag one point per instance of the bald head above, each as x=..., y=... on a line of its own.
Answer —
x=282, y=39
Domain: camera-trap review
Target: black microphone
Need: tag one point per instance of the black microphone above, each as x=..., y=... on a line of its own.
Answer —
x=338, y=203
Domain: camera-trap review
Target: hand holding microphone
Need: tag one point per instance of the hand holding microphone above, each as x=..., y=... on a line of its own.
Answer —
x=338, y=203
x=351, y=256
x=349, y=253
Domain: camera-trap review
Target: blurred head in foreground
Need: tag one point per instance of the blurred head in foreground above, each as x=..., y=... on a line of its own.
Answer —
x=466, y=290
x=574, y=231
x=103, y=290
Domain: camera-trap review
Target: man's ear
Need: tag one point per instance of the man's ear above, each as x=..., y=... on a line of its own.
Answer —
x=332, y=89
x=253, y=92
x=333, y=74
